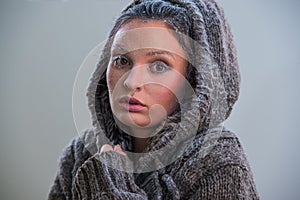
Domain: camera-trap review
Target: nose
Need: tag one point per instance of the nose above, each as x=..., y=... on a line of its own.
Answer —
x=135, y=78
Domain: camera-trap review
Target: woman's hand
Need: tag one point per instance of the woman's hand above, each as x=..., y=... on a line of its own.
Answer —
x=117, y=148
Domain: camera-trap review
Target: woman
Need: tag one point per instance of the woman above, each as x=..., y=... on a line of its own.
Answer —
x=166, y=80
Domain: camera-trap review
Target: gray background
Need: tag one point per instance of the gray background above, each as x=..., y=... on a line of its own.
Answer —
x=43, y=44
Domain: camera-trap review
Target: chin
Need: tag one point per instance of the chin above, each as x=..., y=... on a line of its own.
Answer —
x=137, y=120
x=134, y=120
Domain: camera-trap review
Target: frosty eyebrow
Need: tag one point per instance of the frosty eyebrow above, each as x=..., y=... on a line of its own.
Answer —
x=154, y=53
x=151, y=53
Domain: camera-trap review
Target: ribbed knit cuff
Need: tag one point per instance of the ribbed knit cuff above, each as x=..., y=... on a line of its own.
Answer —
x=98, y=179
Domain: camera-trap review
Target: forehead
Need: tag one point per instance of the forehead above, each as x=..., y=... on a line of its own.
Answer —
x=152, y=34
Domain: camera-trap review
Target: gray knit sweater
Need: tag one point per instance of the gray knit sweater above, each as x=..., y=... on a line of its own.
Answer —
x=208, y=165
x=223, y=173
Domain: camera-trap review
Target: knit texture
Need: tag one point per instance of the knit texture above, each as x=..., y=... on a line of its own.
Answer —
x=210, y=165
x=223, y=173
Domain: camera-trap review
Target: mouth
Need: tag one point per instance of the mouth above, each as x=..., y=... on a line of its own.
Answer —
x=131, y=104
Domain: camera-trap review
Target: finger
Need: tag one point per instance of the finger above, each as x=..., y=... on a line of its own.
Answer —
x=106, y=147
x=119, y=150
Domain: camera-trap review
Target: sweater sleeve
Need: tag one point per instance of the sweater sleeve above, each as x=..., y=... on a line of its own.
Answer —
x=229, y=182
x=81, y=175
x=72, y=157
x=56, y=191
x=62, y=184
x=96, y=180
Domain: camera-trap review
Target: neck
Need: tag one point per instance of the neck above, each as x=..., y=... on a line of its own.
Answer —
x=141, y=138
x=139, y=144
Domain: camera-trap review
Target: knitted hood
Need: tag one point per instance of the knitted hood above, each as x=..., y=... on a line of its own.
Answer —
x=216, y=81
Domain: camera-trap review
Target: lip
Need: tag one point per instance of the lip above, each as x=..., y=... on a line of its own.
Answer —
x=131, y=104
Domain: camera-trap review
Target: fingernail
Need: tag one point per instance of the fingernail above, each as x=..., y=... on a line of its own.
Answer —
x=117, y=147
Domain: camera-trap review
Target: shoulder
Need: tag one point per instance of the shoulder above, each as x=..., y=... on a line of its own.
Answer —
x=220, y=148
x=73, y=156
x=214, y=159
x=212, y=150
x=78, y=150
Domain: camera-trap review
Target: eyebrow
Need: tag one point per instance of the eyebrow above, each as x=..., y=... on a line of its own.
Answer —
x=154, y=53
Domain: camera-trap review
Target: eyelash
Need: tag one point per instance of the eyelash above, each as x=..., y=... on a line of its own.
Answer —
x=117, y=62
x=118, y=59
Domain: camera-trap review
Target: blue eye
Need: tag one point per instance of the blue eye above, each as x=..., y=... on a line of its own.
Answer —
x=120, y=61
x=159, y=67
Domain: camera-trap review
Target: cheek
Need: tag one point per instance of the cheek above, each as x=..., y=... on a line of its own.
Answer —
x=166, y=98
x=167, y=95
x=112, y=79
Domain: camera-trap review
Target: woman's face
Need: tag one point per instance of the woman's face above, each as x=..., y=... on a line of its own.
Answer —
x=146, y=73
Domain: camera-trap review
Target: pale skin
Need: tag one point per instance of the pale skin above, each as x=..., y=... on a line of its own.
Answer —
x=142, y=77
